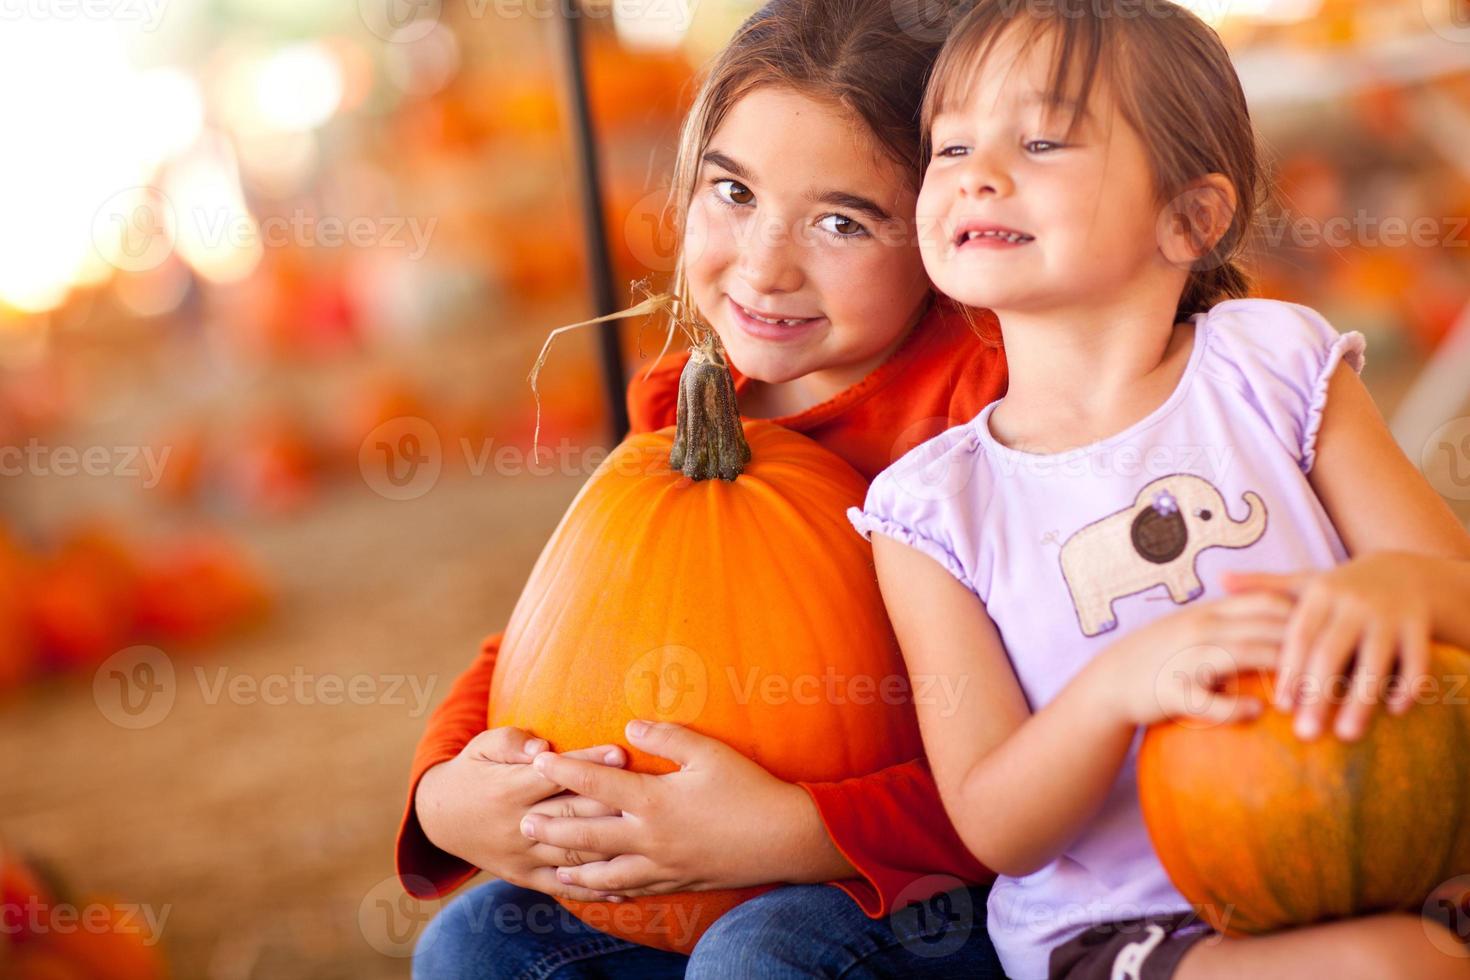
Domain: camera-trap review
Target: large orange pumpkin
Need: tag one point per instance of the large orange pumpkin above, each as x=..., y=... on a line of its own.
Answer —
x=1261, y=830
x=743, y=607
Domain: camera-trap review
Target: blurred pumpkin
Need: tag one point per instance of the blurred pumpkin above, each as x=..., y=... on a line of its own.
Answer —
x=1261, y=830
x=118, y=950
x=666, y=591
x=196, y=588
x=82, y=600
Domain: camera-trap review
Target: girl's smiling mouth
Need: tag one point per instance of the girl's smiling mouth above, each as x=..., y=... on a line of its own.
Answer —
x=978, y=234
x=767, y=325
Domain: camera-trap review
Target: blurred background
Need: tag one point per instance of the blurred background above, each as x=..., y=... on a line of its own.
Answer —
x=251, y=249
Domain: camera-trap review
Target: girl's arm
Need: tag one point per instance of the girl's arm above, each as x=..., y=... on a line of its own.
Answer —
x=1409, y=579
x=1019, y=787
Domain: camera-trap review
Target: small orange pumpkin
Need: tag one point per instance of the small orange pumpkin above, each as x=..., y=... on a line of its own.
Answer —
x=742, y=607
x=1261, y=830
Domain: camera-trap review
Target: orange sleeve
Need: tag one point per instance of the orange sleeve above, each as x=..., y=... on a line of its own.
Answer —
x=457, y=720
x=891, y=826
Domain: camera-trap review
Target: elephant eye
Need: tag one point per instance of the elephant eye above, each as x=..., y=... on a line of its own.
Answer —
x=1204, y=515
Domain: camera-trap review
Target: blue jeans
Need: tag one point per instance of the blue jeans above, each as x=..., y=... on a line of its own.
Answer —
x=499, y=930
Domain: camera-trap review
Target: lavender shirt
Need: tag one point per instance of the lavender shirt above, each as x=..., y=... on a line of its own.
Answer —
x=1070, y=551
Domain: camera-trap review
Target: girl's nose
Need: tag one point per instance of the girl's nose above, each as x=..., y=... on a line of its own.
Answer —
x=983, y=177
x=769, y=262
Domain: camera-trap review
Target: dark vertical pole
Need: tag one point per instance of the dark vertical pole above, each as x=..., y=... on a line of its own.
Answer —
x=599, y=261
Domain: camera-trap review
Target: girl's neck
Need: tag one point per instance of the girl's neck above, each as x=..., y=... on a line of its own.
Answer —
x=1083, y=374
x=767, y=400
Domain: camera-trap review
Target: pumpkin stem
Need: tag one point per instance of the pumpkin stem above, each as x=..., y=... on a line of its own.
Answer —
x=709, y=440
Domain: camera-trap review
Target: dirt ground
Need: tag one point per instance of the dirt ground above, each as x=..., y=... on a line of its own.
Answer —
x=264, y=830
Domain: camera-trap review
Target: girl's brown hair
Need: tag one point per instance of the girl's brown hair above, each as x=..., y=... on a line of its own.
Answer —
x=869, y=57
x=1173, y=82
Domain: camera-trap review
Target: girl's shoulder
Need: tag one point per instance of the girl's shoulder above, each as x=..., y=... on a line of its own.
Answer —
x=1278, y=357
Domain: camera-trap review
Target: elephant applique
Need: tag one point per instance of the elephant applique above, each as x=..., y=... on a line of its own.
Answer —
x=1156, y=541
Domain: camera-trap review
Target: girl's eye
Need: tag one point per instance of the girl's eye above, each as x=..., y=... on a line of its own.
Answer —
x=1042, y=146
x=946, y=151
x=842, y=226
x=731, y=191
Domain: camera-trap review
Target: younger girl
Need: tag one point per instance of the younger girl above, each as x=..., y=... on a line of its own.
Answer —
x=1179, y=481
x=795, y=186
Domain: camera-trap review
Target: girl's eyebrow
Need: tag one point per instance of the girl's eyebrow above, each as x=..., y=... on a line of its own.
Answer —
x=839, y=199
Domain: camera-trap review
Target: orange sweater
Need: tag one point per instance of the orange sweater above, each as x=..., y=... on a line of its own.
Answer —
x=890, y=824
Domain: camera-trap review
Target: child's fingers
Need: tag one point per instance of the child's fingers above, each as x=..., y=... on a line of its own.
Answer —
x=1239, y=582
x=1224, y=709
x=557, y=857
x=606, y=755
x=1306, y=622
x=506, y=744
x=622, y=874
x=616, y=787
x=544, y=880
x=1413, y=665
x=571, y=805
x=1374, y=664
x=1325, y=662
x=582, y=839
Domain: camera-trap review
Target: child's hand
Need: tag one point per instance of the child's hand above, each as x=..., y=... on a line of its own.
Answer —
x=719, y=821
x=1173, y=667
x=1373, y=610
x=472, y=806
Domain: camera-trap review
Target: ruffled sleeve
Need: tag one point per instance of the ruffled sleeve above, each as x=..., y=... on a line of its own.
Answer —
x=1282, y=356
x=920, y=501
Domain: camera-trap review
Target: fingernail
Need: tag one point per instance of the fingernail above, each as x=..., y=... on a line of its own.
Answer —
x=541, y=761
x=1307, y=727
x=528, y=828
x=613, y=898
x=565, y=877
x=536, y=745
x=613, y=757
x=637, y=729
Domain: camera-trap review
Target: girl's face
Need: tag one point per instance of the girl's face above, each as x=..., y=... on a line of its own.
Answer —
x=1014, y=216
x=798, y=217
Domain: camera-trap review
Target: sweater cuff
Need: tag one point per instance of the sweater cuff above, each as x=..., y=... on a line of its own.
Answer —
x=424, y=870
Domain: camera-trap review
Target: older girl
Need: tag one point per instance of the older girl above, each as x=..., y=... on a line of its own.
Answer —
x=795, y=187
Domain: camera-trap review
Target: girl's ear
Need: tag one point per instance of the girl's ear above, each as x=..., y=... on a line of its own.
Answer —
x=1196, y=219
